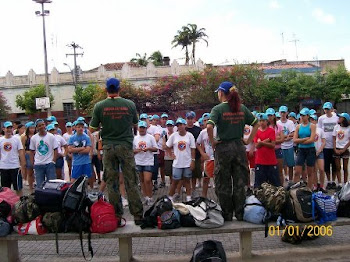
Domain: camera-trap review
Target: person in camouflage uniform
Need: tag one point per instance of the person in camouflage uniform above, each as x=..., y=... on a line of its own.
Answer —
x=231, y=168
x=118, y=117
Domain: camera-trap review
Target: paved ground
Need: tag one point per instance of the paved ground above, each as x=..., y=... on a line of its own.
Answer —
x=333, y=248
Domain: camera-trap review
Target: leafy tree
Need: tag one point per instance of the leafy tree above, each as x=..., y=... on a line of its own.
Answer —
x=84, y=95
x=4, y=108
x=182, y=39
x=140, y=60
x=336, y=83
x=156, y=58
x=27, y=101
x=196, y=35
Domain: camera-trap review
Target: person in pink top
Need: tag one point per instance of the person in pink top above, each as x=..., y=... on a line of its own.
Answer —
x=271, y=114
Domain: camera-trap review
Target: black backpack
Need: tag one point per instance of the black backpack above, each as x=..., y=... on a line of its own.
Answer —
x=209, y=251
x=5, y=209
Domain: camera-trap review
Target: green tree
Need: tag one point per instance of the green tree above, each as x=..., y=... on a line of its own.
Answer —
x=156, y=58
x=84, y=95
x=4, y=108
x=336, y=83
x=140, y=60
x=182, y=39
x=27, y=101
x=195, y=35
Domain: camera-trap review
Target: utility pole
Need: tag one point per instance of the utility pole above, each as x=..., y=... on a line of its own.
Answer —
x=295, y=40
x=75, y=54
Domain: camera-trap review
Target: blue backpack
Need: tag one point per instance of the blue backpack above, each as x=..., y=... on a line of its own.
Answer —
x=324, y=206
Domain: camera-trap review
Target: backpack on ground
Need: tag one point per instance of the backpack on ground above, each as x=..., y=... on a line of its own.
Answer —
x=49, y=196
x=344, y=194
x=5, y=227
x=206, y=212
x=273, y=198
x=34, y=227
x=26, y=209
x=343, y=209
x=6, y=194
x=103, y=217
x=5, y=209
x=209, y=251
x=324, y=207
x=301, y=200
x=254, y=211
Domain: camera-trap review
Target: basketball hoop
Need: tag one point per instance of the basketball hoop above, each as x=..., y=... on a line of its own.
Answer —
x=42, y=103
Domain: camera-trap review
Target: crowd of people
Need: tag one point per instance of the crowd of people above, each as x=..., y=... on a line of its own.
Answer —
x=137, y=152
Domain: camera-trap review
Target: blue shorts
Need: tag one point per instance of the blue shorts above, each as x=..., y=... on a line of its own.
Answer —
x=320, y=156
x=59, y=162
x=80, y=170
x=28, y=163
x=306, y=155
x=278, y=153
x=179, y=173
x=288, y=157
x=141, y=169
x=266, y=173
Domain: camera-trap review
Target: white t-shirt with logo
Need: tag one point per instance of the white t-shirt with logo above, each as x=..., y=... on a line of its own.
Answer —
x=182, y=146
x=141, y=142
x=203, y=138
x=342, y=135
x=328, y=124
x=9, y=152
x=318, y=138
x=288, y=127
x=43, y=147
x=61, y=143
x=246, y=133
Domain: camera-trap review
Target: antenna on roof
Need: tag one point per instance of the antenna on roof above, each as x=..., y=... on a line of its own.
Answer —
x=295, y=40
x=283, y=54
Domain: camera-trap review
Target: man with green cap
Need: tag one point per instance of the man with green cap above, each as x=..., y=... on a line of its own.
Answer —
x=119, y=119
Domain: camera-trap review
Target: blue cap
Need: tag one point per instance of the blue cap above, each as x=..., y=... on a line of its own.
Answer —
x=69, y=124
x=54, y=122
x=200, y=121
x=8, y=124
x=50, y=127
x=345, y=115
x=29, y=124
x=206, y=116
x=155, y=117
x=38, y=121
x=80, y=118
x=79, y=122
x=190, y=114
x=292, y=114
x=277, y=114
x=283, y=109
x=112, y=84
x=143, y=116
x=270, y=111
x=51, y=118
x=312, y=112
x=305, y=111
x=313, y=117
x=74, y=123
x=254, y=113
x=298, y=116
x=142, y=124
x=180, y=120
x=164, y=115
x=225, y=87
x=170, y=122
x=262, y=116
x=327, y=105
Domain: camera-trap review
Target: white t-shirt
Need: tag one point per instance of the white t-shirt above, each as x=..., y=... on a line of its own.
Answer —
x=155, y=130
x=182, y=146
x=9, y=152
x=203, y=138
x=246, y=133
x=288, y=127
x=43, y=147
x=328, y=124
x=61, y=143
x=66, y=137
x=141, y=142
x=318, y=138
x=342, y=135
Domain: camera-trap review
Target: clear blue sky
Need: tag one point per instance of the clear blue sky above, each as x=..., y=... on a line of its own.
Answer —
x=113, y=31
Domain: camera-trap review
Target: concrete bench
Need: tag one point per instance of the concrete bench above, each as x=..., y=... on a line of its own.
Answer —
x=9, y=244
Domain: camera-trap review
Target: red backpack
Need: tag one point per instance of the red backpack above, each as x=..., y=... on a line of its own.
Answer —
x=103, y=217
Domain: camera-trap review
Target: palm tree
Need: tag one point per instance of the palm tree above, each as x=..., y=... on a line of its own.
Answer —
x=195, y=35
x=182, y=39
x=140, y=60
x=156, y=58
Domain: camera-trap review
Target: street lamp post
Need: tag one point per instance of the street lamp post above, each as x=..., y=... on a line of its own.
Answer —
x=44, y=13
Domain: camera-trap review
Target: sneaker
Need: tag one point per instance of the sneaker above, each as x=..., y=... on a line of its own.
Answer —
x=125, y=202
x=329, y=186
x=138, y=220
x=162, y=184
x=322, y=190
x=338, y=188
x=334, y=185
x=176, y=197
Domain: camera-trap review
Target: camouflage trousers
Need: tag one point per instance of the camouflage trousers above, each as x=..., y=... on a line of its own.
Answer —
x=231, y=177
x=113, y=156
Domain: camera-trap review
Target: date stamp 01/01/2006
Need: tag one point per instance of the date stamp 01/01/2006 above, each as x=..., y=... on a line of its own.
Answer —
x=301, y=230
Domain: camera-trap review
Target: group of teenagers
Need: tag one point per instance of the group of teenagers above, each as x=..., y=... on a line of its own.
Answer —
x=222, y=145
x=304, y=146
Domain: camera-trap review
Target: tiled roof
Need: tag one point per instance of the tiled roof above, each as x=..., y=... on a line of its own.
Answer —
x=116, y=66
